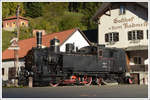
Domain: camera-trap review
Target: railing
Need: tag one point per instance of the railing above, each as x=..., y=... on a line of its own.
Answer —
x=142, y=68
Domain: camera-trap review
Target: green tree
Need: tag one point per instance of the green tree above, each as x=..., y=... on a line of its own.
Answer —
x=9, y=9
x=33, y=9
x=52, y=15
x=88, y=9
x=72, y=20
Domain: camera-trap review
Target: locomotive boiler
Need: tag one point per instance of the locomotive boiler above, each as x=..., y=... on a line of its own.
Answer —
x=88, y=65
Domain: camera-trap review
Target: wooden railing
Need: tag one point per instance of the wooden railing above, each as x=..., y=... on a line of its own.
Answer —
x=142, y=68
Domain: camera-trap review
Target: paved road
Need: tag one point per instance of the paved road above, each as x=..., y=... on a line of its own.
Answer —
x=120, y=91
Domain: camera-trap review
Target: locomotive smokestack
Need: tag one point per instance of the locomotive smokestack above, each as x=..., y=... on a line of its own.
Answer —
x=39, y=39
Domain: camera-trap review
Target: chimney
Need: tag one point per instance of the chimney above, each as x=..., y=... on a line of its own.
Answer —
x=34, y=31
x=39, y=39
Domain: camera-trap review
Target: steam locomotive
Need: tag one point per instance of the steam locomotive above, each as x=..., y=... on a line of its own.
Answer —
x=88, y=65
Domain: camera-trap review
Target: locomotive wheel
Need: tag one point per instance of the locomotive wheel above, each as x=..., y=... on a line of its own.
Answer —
x=99, y=81
x=87, y=81
x=78, y=80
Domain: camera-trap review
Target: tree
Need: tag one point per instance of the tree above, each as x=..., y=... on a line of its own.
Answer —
x=88, y=9
x=33, y=9
x=9, y=9
x=72, y=20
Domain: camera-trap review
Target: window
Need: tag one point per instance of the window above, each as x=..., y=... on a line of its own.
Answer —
x=122, y=10
x=7, y=24
x=23, y=24
x=12, y=73
x=135, y=35
x=137, y=60
x=14, y=24
x=3, y=71
x=113, y=36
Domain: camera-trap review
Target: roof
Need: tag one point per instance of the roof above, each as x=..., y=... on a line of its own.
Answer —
x=92, y=35
x=105, y=7
x=15, y=17
x=27, y=44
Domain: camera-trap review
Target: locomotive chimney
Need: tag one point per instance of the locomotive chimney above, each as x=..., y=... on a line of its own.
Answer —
x=39, y=39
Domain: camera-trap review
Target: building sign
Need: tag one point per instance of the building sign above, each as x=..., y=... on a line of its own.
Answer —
x=126, y=23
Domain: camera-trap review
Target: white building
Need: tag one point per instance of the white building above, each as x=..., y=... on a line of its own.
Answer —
x=69, y=36
x=125, y=25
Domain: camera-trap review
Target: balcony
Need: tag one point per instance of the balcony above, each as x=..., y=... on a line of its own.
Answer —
x=139, y=68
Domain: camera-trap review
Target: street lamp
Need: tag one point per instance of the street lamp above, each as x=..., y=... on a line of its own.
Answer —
x=16, y=50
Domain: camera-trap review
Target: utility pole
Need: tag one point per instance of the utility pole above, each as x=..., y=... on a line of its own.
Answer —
x=16, y=50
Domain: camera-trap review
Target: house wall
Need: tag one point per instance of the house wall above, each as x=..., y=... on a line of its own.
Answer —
x=135, y=18
x=76, y=38
x=10, y=25
x=122, y=24
x=8, y=64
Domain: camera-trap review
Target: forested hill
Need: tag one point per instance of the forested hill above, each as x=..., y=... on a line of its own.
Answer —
x=52, y=16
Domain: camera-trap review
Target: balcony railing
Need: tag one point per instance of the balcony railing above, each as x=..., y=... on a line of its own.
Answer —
x=142, y=68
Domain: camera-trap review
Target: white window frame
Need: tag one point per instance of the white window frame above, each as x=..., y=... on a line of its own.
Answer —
x=135, y=32
x=111, y=37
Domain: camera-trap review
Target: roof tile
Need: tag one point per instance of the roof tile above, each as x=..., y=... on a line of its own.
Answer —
x=15, y=17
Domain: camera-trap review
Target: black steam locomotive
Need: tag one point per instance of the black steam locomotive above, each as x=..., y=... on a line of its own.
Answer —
x=88, y=65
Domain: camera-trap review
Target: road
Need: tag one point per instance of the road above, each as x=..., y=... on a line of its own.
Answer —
x=118, y=91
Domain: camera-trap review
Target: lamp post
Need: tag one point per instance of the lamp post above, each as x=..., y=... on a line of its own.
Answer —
x=16, y=50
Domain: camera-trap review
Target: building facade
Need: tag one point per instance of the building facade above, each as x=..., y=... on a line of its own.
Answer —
x=10, y=23
x=125, y=25
x=68, y=36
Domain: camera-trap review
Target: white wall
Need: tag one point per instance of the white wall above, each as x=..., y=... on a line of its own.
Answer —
x=8, y=64
x=108, y=24
x=76, y=38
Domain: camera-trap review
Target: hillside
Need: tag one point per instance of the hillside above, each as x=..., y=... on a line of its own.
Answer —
x=52, y=17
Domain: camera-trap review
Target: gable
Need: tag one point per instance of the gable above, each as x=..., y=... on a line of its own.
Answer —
x=134, y=17
x=114, y=5
x=77, y=38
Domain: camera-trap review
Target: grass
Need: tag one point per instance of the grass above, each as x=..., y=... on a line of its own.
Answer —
x=8, y=35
